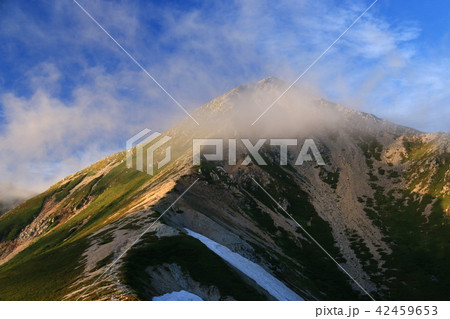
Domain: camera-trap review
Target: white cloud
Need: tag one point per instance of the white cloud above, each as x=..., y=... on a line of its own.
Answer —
x=46, y=138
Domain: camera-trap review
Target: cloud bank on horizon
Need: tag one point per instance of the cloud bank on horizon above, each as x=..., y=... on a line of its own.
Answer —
x=69, y=96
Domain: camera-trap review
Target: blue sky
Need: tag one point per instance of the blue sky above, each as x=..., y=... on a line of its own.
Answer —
x=69, y=95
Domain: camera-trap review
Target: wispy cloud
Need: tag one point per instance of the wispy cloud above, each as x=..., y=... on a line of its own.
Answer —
x=50, y=137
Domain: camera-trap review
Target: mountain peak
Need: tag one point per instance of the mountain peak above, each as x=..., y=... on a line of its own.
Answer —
x=271, y=80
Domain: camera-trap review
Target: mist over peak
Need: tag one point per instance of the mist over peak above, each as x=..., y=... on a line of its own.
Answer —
x=272, y=81
x=296, y=112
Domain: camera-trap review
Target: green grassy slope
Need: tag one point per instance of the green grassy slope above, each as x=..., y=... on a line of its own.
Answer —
x=417, y=268
x=46, y=269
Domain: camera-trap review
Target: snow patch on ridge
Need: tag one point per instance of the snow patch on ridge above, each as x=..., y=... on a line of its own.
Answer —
x=254, y=271
x=181, y=295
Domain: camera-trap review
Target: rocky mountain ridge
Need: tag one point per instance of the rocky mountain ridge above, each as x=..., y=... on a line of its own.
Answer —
x=379, y=207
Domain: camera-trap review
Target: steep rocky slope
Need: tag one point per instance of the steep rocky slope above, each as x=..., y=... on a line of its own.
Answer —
x=379, y=207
